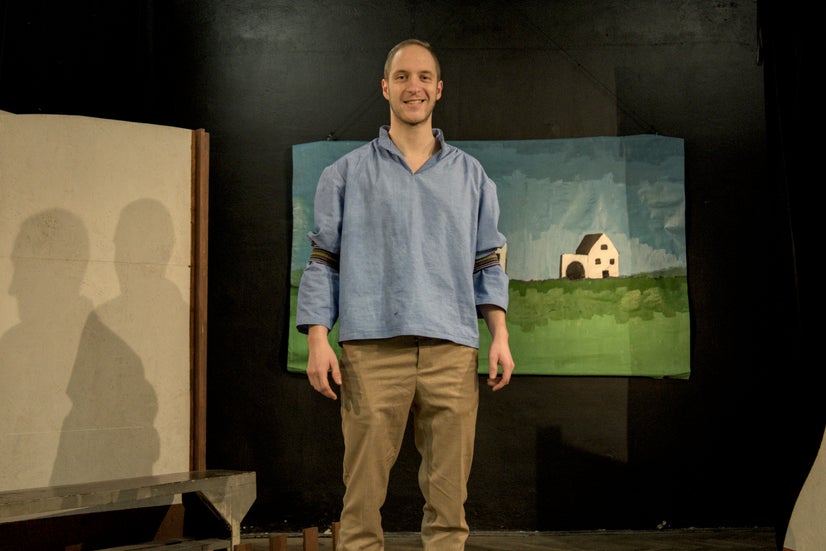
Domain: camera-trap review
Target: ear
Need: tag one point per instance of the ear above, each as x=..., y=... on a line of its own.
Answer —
x=439, y=88
x=384, y=91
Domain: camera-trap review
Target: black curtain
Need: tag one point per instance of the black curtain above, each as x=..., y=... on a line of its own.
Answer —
x=791, y=52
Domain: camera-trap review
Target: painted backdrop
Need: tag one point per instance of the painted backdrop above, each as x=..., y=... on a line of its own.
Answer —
x=596, y=251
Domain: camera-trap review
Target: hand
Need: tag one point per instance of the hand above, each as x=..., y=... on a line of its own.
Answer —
x=499, y=355
x=321, y=362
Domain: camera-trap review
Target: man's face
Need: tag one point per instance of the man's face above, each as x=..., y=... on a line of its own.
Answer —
x=412, y=87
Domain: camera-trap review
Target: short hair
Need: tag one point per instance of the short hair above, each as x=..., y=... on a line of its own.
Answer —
x=411, y=42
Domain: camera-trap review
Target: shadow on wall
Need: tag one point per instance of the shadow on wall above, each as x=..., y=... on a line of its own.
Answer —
x=49, y=260
x=71, y=388
x=121, y=418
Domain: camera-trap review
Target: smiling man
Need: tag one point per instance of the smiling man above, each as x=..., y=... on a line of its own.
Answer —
x=404, y=260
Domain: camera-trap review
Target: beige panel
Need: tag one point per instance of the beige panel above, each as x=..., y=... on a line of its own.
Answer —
x=95, y=249
x=807, y=525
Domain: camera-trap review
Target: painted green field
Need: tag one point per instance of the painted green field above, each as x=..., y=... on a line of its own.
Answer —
x=631, y=326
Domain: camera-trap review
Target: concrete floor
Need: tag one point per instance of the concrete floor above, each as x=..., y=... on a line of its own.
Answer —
x=721, y=539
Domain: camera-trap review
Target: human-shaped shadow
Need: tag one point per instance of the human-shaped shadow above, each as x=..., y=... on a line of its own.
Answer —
x=126, y=358
x=49, y=259
x=152, y=316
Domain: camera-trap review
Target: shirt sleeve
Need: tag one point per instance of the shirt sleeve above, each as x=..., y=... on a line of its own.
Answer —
x=317, y=297
x=490, y=283
x=319, y=286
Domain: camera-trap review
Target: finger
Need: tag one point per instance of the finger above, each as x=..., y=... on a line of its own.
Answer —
x=321, y=384
x=506, y=376
x=493, y=370
x=498, y=384
x=326, y=390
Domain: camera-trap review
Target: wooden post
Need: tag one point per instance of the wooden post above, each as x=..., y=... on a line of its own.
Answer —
x=336, y=527
x=278, y=542
x=311, y=539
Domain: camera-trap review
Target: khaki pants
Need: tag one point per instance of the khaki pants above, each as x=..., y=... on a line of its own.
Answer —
x=383, y=380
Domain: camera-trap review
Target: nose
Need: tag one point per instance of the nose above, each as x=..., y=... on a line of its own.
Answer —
x=414, y=84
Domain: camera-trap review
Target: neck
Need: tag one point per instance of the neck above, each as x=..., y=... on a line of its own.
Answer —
x=414, y=140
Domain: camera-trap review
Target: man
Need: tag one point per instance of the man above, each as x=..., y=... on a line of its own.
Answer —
x=404, y=259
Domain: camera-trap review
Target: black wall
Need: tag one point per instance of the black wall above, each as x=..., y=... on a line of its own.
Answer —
x=729, y=447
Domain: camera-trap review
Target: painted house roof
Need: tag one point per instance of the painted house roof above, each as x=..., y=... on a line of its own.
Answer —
x=588, y=242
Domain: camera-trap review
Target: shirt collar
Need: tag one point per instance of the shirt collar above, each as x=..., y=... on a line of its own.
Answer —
x=386, y=143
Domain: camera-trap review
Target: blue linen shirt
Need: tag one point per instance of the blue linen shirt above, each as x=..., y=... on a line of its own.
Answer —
x=406, y=245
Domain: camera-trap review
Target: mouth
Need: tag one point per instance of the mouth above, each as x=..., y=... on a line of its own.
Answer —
x=414, y=102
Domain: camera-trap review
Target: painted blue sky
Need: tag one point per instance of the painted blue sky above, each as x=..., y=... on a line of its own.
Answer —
x=551, y=194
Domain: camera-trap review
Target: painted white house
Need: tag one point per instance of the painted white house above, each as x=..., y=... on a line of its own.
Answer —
x=596, y=257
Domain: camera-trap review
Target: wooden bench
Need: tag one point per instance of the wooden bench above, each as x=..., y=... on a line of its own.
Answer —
x=228, y=494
